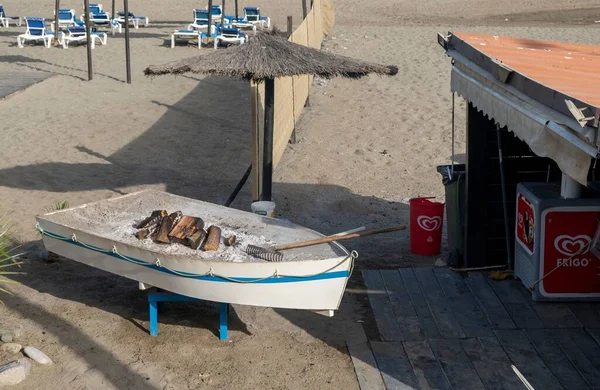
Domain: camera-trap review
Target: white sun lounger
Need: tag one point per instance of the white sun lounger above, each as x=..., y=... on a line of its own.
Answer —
x=252, y=15
x=133, y=19
x=66, y=18
x=5, y=20
x=78, y=34
x=244, y=25
x=36, y=30
x=103, y=20
x=230, y=35
x=188, y=35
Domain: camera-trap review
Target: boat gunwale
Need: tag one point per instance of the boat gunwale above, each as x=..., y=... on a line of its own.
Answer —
x=334, y=244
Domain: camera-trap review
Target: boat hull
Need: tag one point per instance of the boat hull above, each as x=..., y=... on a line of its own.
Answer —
x=302, y=284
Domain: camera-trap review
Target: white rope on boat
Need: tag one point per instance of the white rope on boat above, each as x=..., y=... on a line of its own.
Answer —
x=352, y=257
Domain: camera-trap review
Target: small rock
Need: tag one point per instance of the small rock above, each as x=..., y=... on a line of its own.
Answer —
x=17, y=332
x=14, y=372
x=440, y=263
x=37, y=355
x=6, y=338
x=11, y=348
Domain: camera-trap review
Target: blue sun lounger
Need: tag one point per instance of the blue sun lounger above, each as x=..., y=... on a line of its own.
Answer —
x=134, y=20
x=36, y=30
x=252, y=15
x=230, y=35
x=5, y=20
x=78, y=34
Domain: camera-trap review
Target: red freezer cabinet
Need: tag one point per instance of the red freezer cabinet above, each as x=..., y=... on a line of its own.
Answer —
x=553, y=237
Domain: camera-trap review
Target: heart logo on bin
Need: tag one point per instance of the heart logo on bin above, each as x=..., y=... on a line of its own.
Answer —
x=572, y=246
x=429, y=224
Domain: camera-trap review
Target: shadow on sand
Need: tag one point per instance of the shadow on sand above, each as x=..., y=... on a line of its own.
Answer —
x=199, y=148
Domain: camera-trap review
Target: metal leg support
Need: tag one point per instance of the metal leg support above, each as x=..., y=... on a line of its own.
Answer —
x=155, y=300
x=223, y=314
x=153, y=316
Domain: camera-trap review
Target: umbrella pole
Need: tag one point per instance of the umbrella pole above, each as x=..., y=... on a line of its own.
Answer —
x=127, y=49
x=208, y=35
x=223, y=14
x=56, y=26
x=236, y=10
x=267, y=180
x=88, y=33
x=113, y=9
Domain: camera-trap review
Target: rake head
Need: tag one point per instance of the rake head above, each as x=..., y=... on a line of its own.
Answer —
x=264, y=253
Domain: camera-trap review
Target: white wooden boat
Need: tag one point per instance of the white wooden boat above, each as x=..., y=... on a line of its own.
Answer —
x=100, y=234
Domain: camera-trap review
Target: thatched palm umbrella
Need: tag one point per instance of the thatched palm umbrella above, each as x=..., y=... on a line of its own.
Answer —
x=265, y=57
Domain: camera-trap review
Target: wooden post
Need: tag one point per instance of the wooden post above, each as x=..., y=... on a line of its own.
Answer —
x=208, y=35
x=304, y=13
x=267, y=183
x=237, y=15
x=257, y=139
x=88, y=33
x=290, y=28
x=56, y=25
x=127, y=48
x=113, y=9
x=476, y=189
x=304, y=10
x=223, y=13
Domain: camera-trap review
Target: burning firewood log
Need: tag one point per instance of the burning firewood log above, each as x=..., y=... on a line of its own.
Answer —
x=229, y=240
x=213, y=240
x=140, y=235
x=153, y=220
x=196, y=240
x=185, y=228
x=162, y=235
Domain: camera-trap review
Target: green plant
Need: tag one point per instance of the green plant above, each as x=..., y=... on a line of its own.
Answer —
x=8, y=253
x=58, y=206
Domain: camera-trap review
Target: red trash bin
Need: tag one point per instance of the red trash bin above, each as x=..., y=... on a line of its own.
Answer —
x=426, y=219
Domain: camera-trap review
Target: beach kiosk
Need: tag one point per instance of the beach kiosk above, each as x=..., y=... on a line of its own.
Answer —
x=533, y=109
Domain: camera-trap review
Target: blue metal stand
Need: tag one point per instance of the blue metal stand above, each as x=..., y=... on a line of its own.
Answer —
x=154, y=298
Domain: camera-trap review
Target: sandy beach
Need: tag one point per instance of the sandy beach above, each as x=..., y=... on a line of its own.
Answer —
x=364, y=148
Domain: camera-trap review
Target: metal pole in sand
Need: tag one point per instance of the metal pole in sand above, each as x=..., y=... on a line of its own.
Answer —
x=237, y=15
x=223, y=14
x=127, y=49
x=88, y=33
x=113, y=9
x=56, y=26
x=210, y=13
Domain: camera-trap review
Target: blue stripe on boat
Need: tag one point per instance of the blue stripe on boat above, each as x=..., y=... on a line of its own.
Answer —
x=292, y=279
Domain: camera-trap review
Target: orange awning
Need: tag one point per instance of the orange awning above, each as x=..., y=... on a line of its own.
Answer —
x=571, y=69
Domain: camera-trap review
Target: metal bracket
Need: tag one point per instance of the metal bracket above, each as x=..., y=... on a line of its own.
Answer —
x=443, y=41
x=578, y=113
x=501, y=72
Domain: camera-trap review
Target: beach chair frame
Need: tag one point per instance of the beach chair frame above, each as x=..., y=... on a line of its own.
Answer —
x=253, y=16
x=133, y=19
x=36, y=30
x=79, y=35
x=5, y=20
x=230, y=35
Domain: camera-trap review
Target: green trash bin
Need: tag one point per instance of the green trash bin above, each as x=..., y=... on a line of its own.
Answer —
x=454, y=185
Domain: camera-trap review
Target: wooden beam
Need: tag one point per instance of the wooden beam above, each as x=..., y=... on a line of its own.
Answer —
x=127, y=48
x=476, y=188
x=88, y=33
x=267, y=157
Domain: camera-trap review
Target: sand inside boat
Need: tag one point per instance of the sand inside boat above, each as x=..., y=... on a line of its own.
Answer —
x=114, y=220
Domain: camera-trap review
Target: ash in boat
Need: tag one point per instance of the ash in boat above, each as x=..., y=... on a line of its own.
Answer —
x=178, y=234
